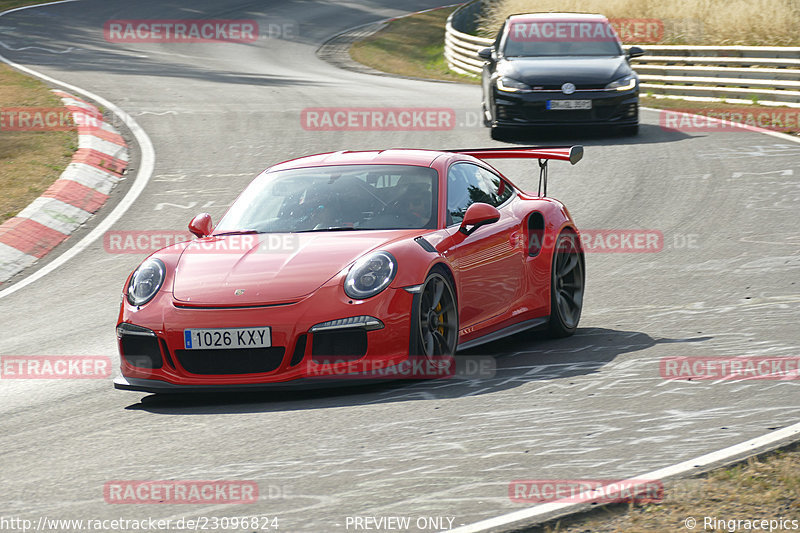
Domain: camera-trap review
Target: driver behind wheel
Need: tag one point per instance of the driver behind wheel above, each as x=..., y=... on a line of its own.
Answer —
x=415, y=206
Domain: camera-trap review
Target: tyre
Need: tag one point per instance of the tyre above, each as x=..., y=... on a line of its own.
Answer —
x=567, y=282
x=498, y=134
x=435, y=320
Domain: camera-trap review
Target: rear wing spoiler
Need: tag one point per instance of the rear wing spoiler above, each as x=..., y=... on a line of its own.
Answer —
x=573, y=154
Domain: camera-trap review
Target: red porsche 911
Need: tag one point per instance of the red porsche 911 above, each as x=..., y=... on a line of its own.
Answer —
x=328, y=261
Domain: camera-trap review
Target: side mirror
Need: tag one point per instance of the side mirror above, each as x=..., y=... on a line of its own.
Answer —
x=485, y=53
x=477, y=215
x=201, y=225
x=635, y=51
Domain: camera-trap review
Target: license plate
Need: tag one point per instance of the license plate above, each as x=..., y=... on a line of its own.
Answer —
x=569, y=104
x=226, y=338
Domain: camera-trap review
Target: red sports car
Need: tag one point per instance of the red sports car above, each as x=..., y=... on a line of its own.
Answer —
x=327, y=261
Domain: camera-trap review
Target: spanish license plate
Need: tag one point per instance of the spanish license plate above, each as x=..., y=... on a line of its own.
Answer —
x=569, y=104
x=226, y=338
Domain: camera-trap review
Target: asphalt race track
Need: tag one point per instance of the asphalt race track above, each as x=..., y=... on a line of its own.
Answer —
x=594, y=406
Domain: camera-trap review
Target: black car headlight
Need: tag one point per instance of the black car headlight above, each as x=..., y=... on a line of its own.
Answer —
x=510, y=85
x=146, y=281
x=370, y=275
x=623, y=84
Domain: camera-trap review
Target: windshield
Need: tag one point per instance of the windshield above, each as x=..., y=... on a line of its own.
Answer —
x=553, y=38
x=335, y=198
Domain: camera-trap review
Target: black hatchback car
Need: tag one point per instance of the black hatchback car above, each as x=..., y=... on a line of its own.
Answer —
x=559, y=69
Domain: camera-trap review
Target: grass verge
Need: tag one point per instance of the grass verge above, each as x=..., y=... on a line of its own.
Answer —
x=30, y=161
x=11, y=4
x=410, y=46
x=761, y=488
x=707, y=22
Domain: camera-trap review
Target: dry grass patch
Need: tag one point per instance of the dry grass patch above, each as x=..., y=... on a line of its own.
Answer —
x=30, y=161
x=759, y=489
x=409, y=46
x=10, y=4
x=700, y=22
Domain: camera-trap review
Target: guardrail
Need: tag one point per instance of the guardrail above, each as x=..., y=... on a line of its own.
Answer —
x=769, y=75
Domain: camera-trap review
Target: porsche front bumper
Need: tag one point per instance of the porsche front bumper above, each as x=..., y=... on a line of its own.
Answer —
x=311, y=345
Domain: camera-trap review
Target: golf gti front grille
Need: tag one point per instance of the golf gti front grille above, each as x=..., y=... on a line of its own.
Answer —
x=238, y=361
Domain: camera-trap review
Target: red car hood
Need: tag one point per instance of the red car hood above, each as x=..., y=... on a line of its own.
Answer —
x=241, y=270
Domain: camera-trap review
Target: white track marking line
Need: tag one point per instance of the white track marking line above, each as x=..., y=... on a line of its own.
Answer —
x=757, y=129
x=145, y=171
x=553, y=510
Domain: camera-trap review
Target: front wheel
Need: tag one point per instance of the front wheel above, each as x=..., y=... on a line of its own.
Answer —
x=436, y=325
x=566, y=286
x=498, y=134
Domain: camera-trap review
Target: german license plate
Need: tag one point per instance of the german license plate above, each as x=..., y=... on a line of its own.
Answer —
x=569, y=104
x=226, y=338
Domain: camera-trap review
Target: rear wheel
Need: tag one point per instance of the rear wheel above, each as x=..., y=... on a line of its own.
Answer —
x=436, y=327
x=566, y=286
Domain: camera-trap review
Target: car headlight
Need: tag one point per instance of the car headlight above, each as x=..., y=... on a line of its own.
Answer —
x=146, y=281
x=623, y=84
x=511, y=85
x=370, y=275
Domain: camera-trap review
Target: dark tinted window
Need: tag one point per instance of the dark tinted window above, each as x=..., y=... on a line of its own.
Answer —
x=553, y=38
x=322, y=198
x=467, y=184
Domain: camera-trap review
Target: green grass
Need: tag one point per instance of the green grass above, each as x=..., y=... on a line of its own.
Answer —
x=410, y=46
x=688, y=22
x=30, y=161
x=11, y=4
x=765, y=487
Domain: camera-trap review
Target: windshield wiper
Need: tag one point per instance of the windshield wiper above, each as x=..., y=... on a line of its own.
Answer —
x=333, y=228
x=237, y=232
